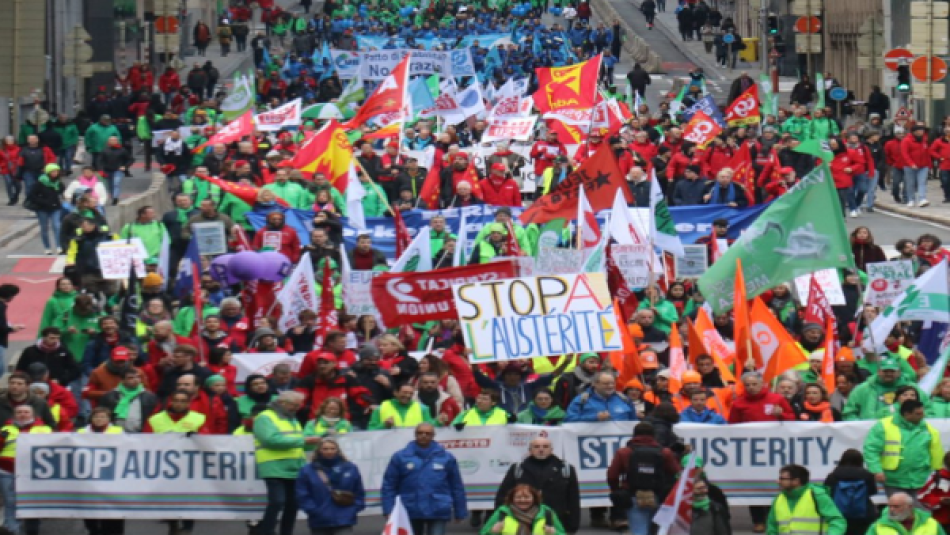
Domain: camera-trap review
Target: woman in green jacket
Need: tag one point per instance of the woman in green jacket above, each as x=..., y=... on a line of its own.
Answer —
x=542, y=410
x=257, y=392
x=59, y=304
x=939, y=406
x=666, y=314
x=330, y=420
x=523, y=512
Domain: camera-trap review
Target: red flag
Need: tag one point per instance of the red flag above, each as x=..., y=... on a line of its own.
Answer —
x=571, y=87
x=241, y=241
x=403, y=239
x=675, y=516
x=744, y=110
x=745, y=349
x=389, y=97
x=701, y=129
x=247, y=194
x=627, y=301
x=326, y=317
x=233, y=131
x=601, y=178
x=567, y=133
x=329, y=152
x=513, y=247
x=714, y=252
x=743, y=171
x=431, y=188
x=818, y=309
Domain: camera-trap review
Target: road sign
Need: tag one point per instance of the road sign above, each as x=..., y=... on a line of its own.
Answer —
x=893, y=57
x=808, y=43
x=838, y=93
x=902, y=114
x=808, y=25
x=933, y=70
x=930, y=91
x=728, y=38
x=166, y=25
x=929, y=37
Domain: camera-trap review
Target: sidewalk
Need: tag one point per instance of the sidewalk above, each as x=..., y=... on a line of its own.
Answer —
x=937, y=212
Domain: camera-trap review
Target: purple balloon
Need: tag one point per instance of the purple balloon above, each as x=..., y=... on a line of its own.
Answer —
x=274, y=266
x=245, y=265
x=220, y=270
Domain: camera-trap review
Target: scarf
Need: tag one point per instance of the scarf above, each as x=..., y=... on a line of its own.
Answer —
x=125, y=399
x=701, y=503
x=173, y=146
x=823, y=408
x=48, y=182
x=182, y=215
x=730, y=196
x=525, y=519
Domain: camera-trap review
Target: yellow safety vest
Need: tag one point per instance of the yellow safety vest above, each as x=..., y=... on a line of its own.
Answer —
x=287, y=427
x=55, y=410
x=321, y=429
x=9, y=447
x=804, y=520
x=929, y=527
x=893, y=448
x=510, y=526
x=111, y=430
x=413, y=414
x=163, y=423
x=497, y=417
x=242, y=431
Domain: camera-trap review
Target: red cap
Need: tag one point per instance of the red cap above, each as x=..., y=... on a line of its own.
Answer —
x=498, y=166
x=120, y=353
x=461, y=155
x=786, y=170
x=240, y=163
x=322, y=355
x=286, y=164
x=392, y=145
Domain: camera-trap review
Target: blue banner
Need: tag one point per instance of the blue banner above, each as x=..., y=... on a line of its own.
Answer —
x=708, y=106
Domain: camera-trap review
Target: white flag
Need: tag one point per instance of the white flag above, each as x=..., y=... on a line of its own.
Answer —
x=299, y=293
x=675, y=516
x=398, y=522
x=458, y=258
x=588, y=230
x=164, y=259
x=623, y=228
x=418, y=256
x=287, y=115
x=662, y=225
x=354, y=200
x=925, y=299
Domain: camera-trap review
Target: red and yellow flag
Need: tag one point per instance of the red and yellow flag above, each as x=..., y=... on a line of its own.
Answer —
x=743, y=171
x=570, y=87
x=328, y=152
x=744, y=110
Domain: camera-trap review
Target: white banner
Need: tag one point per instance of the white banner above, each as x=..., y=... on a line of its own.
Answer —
x=540, y=316
x=887, y=280
x=829, y=282
x=347, y=63
x=376, y=65
x=286, y=115
x=115, y=258
x=356, y=292
x=558, y=261
x=634, y=263
x=515, y=128
x=299, y=293
x=262, y=363
x=65, y=475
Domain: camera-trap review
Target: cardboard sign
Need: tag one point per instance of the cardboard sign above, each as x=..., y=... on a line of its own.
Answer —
x=693, y=263
x=887, y=280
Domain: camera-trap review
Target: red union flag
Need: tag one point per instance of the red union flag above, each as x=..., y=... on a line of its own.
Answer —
x=573, y=86
x=233, y=131
x=701, y=129
x=511, y=106
x=744, y=110
x=389, y=97
x=426, y=296
x=519, y=128
x=286, y=115
x=571, y=117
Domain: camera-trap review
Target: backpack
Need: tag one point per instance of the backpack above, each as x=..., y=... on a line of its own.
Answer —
x=851, y=498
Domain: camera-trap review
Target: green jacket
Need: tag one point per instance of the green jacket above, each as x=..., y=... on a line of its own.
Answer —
x=269, y=436
x=235, y=208
x=373, y=205
x=26, y=130
x=798, y=127
x=545, y=514
x=69, y=133
x=291, y=192
x=868, y=398
x=342, y=426
x=376, y=424
x=920, y=517
x=437, y=240
x=56, y=309
x=823, y=128
x=143, y=130
x=97, y=136
x=824, y=504
x=938, y=408
x=554, y=415
x=520, y=235
x=200, y=190
x=907, y=371
x=915, y=466
x=666, y=314
x=76, y=342
x=151, y=234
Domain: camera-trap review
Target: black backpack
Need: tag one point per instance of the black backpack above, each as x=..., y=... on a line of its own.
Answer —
x=645, y=469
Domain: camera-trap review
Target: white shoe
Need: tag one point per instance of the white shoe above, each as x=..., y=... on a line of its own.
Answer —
x=924, y=203
x=48, y=252
x=910, y=204
x=854, y=213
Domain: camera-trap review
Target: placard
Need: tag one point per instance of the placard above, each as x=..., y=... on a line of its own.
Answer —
x=886, y=281
x=271, y=240
x=211, y=238
x=634, y=263
x=531, y=317
x=357, y=292
x=829, y=282
x=115, y=258
x=693, y=263
x=558, y=261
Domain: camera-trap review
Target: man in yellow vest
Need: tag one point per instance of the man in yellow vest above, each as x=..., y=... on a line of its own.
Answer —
x=901, y=517
x=24, y=421
x=802, y=508
x=903, y=450
x=401, y=411
x=177, y=417
x=279, y=450
x=485, y=412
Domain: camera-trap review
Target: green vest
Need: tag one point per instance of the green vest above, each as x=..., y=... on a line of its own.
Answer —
x=803, y=520
x=285, y=427
x=9, y=447
x=497, y=417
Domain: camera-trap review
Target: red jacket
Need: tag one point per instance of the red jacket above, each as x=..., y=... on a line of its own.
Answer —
x=859, y=163
x=9, y=156
x=504, y=193
x=154, y=353
x=715, y=159
x=309, y=364
x=939, y=151
x=48, y=156
x=647, y=150
x=62, y=396
x=239, y=330
x=620, y=464
x=892, y=154
x=215, y=411
x=289, y=242
x=931, y=495
x=675, y=147
x=747, y=408
x=460, y=368
x=677, y=166
x=915, y=152
x=345, y=387
x=843, y=179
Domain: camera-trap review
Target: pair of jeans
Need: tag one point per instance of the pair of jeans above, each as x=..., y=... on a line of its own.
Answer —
x=48, y=219
x=872, y=190
x=428, y=527
x=915, y=183
x=115, y=183
x=639, y=519
x=13, y=187
x=860, y=188
x=281, y=501
x=945, y=184
x=846, y=199
x=8, y=491
x=66, y=159
x=29, y=180
x=897, y=180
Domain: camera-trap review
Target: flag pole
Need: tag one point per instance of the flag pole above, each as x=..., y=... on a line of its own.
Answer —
x=381, y=194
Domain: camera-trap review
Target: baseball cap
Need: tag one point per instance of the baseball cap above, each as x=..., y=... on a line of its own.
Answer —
x=587, y=356
x=120, y=353
x=691, y=377
x=889, y=364
x=322, y=355
x=498, y=167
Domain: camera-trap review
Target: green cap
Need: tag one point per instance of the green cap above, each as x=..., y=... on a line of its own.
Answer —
x=497, y=227
x=889, y=364
x=588, y=356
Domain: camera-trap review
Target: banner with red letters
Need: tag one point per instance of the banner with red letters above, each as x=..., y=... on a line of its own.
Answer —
x=701, y=129
x=277, y=118
x=744, y=111
x=518, y=128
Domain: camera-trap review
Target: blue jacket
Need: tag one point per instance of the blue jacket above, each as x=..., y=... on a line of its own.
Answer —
x=313, y=496
x=708, y=416
x=429, y=482
x=586, y=407
x=98, y=351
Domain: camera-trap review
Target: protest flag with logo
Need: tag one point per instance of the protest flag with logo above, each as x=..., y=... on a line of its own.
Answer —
x=417, y=256
x=398, y=522
x=355, y=192
x=431, y=188
x=247, y=194
x=664, y=228
x=926, y=299
x=189, y=279
x=601, y=178
x=743, y=172
x=326, y=315
x=714, y=344
x=677, y=355
x=328, y=152
x=675, y=516
x=744, y=111
x=801, y=232
x=241, y=98
x=701, y=129
x=297, y=294
x=389, y=97
x=818, y=308
x=617, y=284
x=571, y=86
x=745, y=350
x=768, y=334
x=283, y=116
x=588, y=229
x=234, y=131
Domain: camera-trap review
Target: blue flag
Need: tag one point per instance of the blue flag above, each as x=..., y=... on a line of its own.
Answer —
x=707, y=105
x=420, y=96
x=189, y=271
x=931, y=338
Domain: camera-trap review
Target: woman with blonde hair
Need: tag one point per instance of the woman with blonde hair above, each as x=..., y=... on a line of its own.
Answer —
x=396, y=360
x=939, y=406
x=523, y=514
x=330, y=490
x=329, y=420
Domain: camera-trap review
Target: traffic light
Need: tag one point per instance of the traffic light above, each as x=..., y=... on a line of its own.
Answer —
x=903, y=78
x=772, y=24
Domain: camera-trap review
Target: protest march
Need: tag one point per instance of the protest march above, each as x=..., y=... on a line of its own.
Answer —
x=425, y=260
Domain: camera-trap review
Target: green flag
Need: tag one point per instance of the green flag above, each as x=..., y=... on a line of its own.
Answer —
x=800, y=233
x=818, y=148
x=765, y=84
x=240, y=100
x=820, y=89
x=352, y=95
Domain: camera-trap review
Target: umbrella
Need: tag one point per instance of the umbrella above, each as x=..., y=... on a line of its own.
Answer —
x=323, y=111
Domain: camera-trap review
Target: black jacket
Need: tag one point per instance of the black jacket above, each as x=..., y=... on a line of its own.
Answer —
x=63, y=367
x=112, y=158
x=40, y=409
x=854, y=473
x=45, y=198
x=557, y=491
x=174, y=227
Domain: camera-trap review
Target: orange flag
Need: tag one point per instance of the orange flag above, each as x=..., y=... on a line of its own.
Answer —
x=768, y=334
x=785, y=358
x=714, y=344
x=828, y=364
x=328, y=152
x=696, y=346
x=626, y=362
x=570, y=87
x=745, y=349
x=677, y=358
